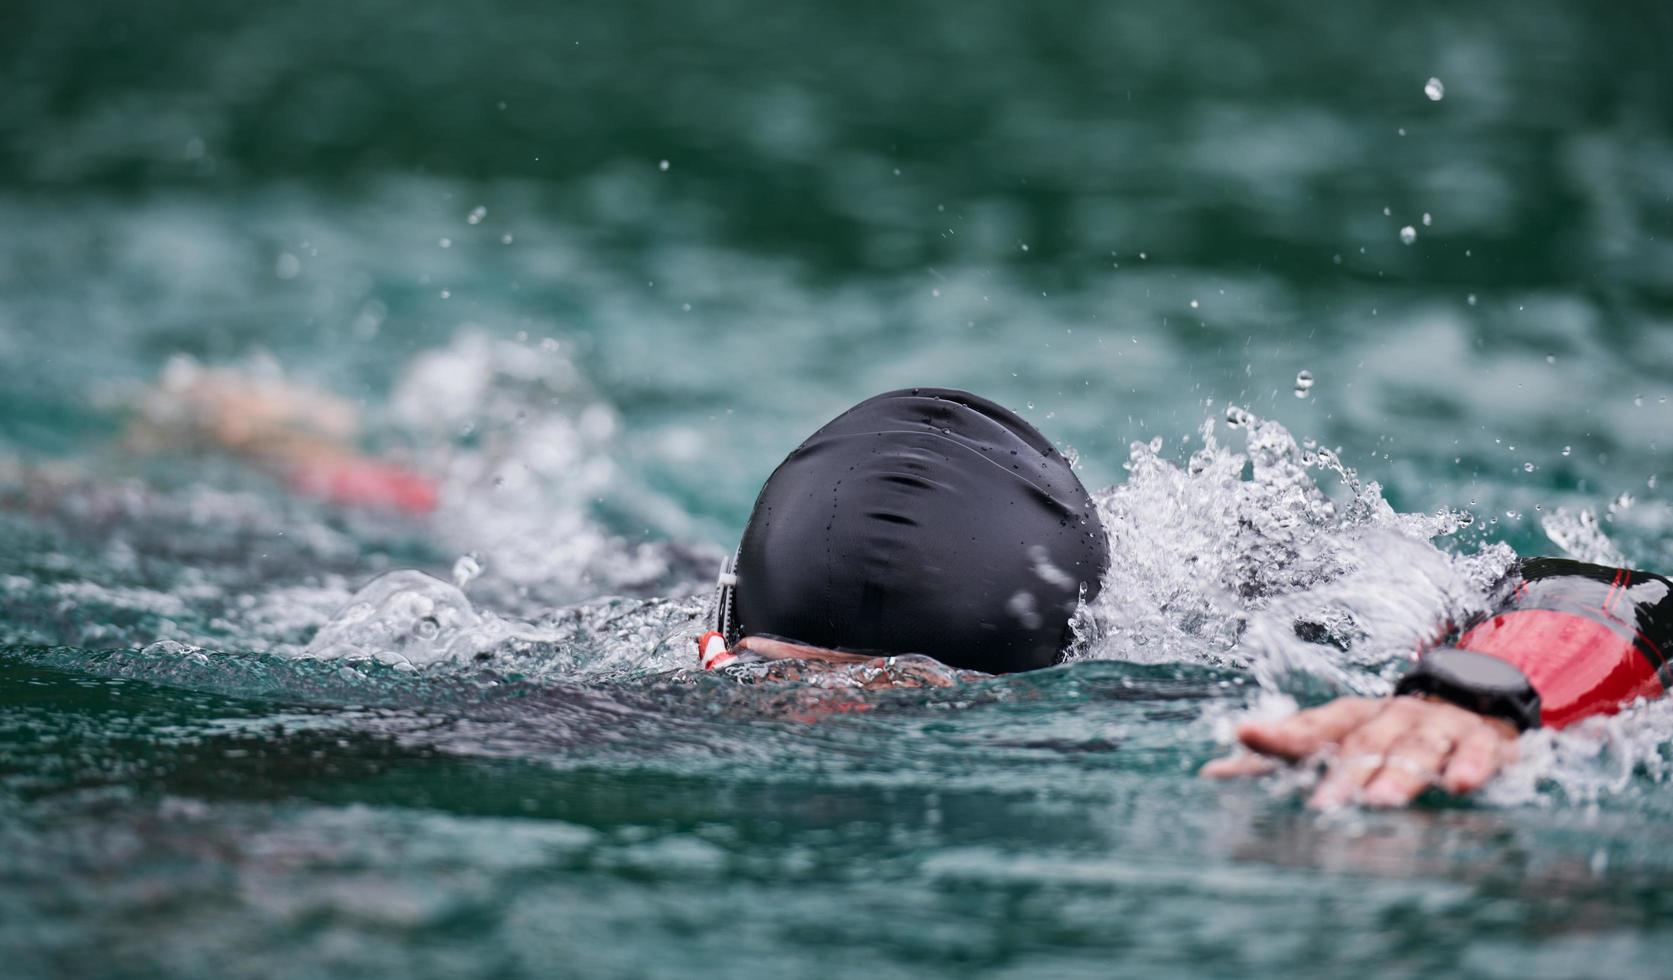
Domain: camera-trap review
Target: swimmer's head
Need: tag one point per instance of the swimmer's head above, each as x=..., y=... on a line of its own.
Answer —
x=926, y=520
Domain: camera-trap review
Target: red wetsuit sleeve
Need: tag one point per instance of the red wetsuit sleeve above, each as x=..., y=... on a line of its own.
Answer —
x=356, y=482
x=1589, y=639
x=1579, y=666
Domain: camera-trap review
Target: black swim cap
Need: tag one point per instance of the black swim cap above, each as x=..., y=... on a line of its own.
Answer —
x=928, y=521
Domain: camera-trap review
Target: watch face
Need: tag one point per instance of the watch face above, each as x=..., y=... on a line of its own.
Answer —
x=1478, y=671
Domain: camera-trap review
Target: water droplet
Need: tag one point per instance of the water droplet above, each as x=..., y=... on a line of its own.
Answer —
x=1236, y=417
x=1408, y=234
x=663, y=166
x=1567, y=450
x=1527, y=467
x=1195, y=304
x=287, y=266
x=477, y=214
x=1303, y=383
x=1434, y=89
x=465, y=570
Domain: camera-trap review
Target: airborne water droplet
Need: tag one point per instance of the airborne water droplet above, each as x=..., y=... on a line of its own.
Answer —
x=466, y=569
x=1434, y=89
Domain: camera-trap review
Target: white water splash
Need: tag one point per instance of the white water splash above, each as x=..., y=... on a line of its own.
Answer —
x=1245, y=559
x=524, y=448
x=1580, y=537
x=411, y=620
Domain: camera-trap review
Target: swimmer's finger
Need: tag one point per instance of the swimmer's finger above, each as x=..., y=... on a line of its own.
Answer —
x=1479, y=756
x=1234, y=766
x=1414, y=763
x=1364, y=752
x=1306, y=732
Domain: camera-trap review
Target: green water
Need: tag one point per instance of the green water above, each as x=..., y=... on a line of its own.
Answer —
x=731, y=220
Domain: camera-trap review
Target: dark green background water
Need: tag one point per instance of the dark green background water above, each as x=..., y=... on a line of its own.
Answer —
x=1110, y=214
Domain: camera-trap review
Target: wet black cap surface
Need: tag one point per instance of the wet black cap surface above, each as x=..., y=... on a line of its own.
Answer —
x=926, y=520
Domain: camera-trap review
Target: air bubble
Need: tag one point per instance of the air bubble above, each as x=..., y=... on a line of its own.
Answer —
x=662, y=166
x=1434, y=89
x=1527, y=467
x=1303, y=383
x=1236, y=417
x=1408, y=234
x=477, y=214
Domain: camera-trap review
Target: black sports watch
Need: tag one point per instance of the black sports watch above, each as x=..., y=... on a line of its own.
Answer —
x=1477, y=682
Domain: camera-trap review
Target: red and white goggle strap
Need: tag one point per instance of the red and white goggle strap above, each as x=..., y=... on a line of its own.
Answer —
x=712, y=651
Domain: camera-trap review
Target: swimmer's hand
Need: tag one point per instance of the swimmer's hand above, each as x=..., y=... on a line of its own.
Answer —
x=1381, y=752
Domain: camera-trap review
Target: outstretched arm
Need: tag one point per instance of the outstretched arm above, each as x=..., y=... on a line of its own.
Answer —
x=1572, y=641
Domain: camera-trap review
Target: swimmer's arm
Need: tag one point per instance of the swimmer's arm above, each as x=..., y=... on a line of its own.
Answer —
x=771, y=649
x=1383, y=751
x=1573, y=641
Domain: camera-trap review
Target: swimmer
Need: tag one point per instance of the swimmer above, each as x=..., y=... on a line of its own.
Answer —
x=302, y=436
x=931, y=521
